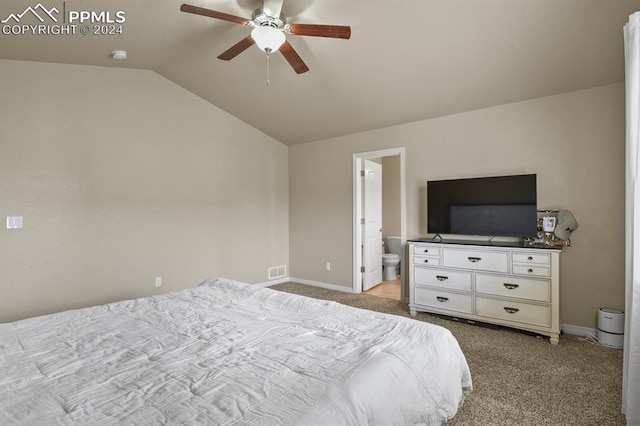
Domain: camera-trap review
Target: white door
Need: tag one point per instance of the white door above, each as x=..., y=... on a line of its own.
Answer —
x=372, y=228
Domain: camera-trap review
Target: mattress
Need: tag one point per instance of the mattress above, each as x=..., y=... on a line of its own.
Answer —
x=228, y=353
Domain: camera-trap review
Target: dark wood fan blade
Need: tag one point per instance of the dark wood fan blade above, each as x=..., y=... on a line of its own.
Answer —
x=214, y=14
x=293, y=58
x=333, y=31
x=237, y=49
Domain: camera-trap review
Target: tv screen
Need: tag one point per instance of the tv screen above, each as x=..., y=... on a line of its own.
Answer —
x=504, y=206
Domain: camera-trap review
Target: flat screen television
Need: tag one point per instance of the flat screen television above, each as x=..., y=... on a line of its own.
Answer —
x=499, y=206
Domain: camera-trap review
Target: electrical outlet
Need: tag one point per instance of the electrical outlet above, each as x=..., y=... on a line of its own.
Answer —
x=158, y=281
x=14, y=222
x=328, y=266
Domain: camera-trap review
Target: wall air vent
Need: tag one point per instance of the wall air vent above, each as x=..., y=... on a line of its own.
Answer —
x=276, y=272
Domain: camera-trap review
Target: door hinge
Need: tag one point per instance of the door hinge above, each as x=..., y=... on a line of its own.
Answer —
x=362, y=221
x=362, y=269
x=361, y=173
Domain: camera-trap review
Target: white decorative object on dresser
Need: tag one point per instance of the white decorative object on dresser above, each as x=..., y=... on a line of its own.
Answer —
x=504, y=284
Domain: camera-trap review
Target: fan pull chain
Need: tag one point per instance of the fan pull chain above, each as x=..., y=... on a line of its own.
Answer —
x=268, y=69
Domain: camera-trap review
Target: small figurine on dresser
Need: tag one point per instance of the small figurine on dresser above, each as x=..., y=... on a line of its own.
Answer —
x=554, y=228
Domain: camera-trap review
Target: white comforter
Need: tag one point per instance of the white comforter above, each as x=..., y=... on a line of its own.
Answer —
x=228, y=353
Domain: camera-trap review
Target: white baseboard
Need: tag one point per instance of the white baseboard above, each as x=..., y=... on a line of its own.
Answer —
x=273, y=282
x=577, y=331
x=322, y=285
x=306, y=282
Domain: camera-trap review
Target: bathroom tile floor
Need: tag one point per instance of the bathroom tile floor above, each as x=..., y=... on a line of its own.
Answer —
x=386, y=289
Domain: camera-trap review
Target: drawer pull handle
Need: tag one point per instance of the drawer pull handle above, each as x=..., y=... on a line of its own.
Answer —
x=426, y=250
x=474, y=259
x=426, y=261
x=442, y=277
x=510, y=286
x=529, y=270
x=443, y=299
x=530, y=258
x=511, y=310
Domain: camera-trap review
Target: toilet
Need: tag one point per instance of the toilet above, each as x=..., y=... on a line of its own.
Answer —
x=391, y=260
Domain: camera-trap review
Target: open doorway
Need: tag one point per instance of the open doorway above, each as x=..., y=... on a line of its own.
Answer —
x=366, y=256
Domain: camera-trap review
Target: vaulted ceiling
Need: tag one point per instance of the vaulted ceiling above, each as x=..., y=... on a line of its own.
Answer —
x=406, y=60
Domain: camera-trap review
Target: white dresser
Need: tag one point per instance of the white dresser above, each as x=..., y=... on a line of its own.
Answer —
x=511, y=286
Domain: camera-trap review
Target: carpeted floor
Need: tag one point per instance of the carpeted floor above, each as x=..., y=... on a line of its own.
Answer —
x=518, y=379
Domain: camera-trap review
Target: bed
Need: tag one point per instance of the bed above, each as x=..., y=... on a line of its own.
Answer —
x=228, y=353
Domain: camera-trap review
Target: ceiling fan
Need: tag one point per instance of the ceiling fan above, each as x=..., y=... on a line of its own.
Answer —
x=270, y=30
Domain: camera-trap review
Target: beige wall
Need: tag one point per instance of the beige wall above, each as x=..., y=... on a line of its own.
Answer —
x=573, y=142
x=122, y=176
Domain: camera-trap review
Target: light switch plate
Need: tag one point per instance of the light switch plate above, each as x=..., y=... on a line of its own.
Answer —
x=14, y=222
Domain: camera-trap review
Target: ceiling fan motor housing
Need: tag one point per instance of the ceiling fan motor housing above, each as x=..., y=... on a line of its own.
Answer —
x=261, y=19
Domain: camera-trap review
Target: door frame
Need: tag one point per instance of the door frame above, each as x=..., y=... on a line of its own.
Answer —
x=357, y=213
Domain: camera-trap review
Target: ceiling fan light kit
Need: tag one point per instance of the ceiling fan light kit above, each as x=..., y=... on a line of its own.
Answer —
x=270, y=32
x=268, y=39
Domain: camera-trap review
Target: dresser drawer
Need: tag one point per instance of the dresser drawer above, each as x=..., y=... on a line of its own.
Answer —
x=536, y=271
x=444, y=300
x=514, y=311
x=442, y=278
x=532, y=258
x=426, y=251
x=521, y=288
x=425, y=260
x=495, y=261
